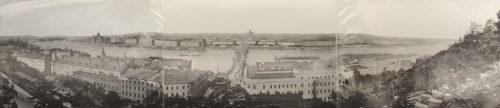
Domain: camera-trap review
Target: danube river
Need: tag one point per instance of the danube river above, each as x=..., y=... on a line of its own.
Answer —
x=221, y=59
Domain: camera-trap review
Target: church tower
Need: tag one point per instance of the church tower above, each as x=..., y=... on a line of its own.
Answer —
x=250, y=33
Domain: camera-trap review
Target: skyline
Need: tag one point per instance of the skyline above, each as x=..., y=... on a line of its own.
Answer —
x=392, y=18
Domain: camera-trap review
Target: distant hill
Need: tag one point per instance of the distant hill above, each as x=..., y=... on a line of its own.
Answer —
x=359, y=38
x=354, y=38
x=4, y=38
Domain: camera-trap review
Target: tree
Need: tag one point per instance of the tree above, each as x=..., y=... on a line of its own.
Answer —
x=358, y=100
x=14, y=105
x=489, y=26
x=112, y=100
x=498, y=22
x=153, y=99
x=474, y=29
x=357, y=77
x=80, y=100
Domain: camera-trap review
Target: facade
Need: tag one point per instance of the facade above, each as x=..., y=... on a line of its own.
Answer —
x=173, y=83
x=286, y=43
x=223, y=43
x=146, y=42
x=190, y=43
x=132, y=41
x=166, y=43
x=248, y=42
x=267, y=43
x=117, y=40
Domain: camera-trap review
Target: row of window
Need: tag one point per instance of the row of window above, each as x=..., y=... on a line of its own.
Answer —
x=321, y=91
x=317, y=77
x=142, y=94
x=273, y=86
x=318, y=91
x=151, y=85
x=134, y=95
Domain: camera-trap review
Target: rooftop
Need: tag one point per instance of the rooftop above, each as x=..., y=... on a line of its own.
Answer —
x=32, y=55
x=281, y=65
x=254, y=74
x=167, y=77
x=109, y=64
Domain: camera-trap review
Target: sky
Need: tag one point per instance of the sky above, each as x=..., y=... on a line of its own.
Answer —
x=395, y=18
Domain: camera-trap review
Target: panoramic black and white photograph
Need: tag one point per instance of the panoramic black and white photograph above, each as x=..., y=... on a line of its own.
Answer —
x=249, y=53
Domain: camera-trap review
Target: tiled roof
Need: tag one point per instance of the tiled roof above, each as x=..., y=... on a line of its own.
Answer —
x=32, y=55
x=109, y=64
x=170, y=76
x=178, y=77
x=287, y=65
x=141, y=74
x=254, y=74
x=155, y=64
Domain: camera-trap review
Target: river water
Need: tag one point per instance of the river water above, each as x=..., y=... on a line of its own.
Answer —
x=221, y=59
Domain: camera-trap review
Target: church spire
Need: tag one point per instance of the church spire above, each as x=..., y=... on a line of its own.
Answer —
x=250, y=32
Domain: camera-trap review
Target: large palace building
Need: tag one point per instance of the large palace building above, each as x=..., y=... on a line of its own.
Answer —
x=306, y=76
x=130, y=77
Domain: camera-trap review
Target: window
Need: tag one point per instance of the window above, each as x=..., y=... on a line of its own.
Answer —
x=263, y=86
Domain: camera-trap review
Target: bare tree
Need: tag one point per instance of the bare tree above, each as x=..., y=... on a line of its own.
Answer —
x=474, y=28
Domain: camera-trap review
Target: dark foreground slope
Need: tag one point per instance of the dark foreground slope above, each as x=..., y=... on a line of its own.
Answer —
x=468, y=69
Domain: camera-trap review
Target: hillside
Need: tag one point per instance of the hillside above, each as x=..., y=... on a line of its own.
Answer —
x=468, y=69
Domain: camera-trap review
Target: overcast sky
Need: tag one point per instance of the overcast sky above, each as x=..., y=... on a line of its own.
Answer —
x=397, y=18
